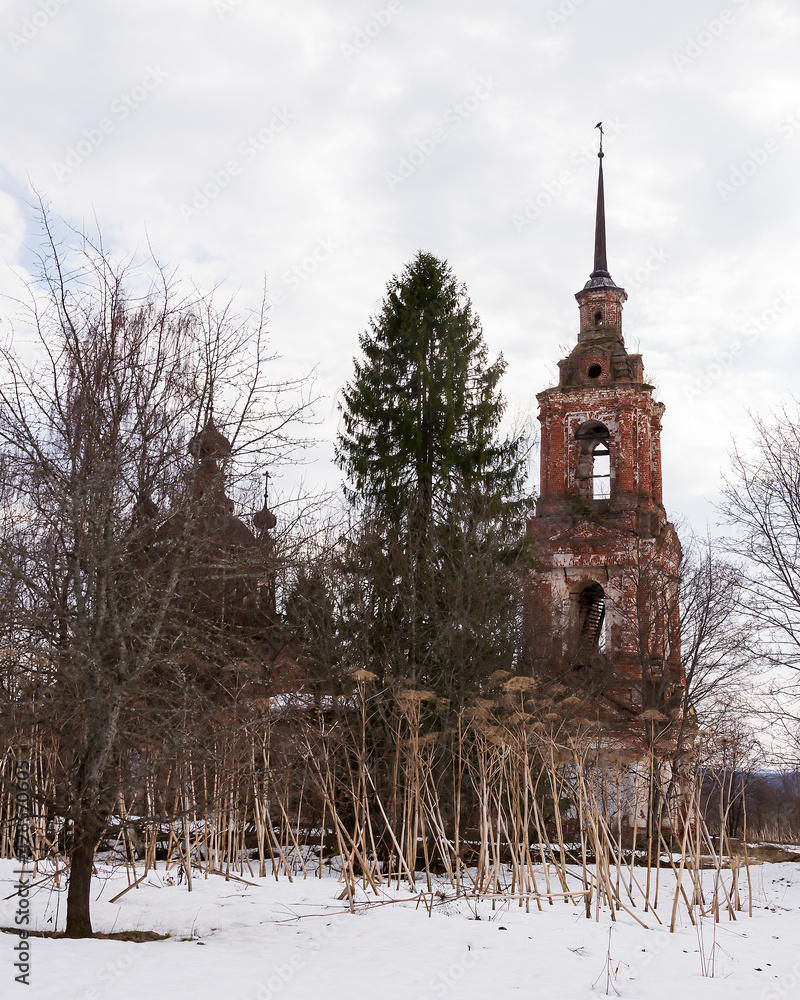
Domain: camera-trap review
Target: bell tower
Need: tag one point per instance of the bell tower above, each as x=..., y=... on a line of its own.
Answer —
x=602, y=598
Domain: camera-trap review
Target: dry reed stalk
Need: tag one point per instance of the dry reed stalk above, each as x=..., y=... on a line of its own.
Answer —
x=526, y=825
x=734, y=865
x=278, y=842
x=195, y=823
x=125, y=834
x=390, y=830
x=348, y=882
x=718, y=880
x=206, y=841
x=360, y=796
x=602, y=872
x=515, y=833
x=258, y=818
x=661, y=805
x=585, y=874
x=396, y=809
x=409, y=703
x=619, y=850
x=634, y=816
x=149, y=828
x=490, y=847
x=348, y=868
x=483, y=849
x=433, y=810
x=168, y=862
x=634, y=880
x=699, y=898
x=678, y=876
x=727, y=842
x=650, y=787
x=295, y=843
x=540, y=836
x=425, y=779
x=230, y=825
x=551, y=774
x=458, y=779
x=584, y=809
x=266, y=821
x=634, y=829
x=187, y=861
x=500, y=757
x=746, y=858
x=212, y=845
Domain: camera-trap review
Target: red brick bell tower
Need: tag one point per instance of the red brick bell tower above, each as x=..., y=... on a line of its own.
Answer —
x=602, y=600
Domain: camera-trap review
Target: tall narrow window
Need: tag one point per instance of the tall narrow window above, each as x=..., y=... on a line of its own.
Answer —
x=592, y=605
x=601, y=472
x=590, y=611
x=593, y=472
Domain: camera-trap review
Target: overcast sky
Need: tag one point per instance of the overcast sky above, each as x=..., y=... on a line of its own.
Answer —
x=322, y=144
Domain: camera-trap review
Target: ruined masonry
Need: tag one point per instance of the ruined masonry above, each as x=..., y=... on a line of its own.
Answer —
x=602, y=601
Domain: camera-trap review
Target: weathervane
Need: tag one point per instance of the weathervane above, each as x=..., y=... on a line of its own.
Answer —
x=600, y=126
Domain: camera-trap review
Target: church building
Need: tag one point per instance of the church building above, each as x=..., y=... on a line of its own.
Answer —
x=602, y=599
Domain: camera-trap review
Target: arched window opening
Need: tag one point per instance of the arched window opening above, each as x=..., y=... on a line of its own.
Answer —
x=589, y=613
x=601, y=472
x=592, y=611
x=598, y=318
x=593, y=474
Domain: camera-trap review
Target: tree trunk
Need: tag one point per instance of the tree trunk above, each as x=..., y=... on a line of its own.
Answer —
x=81, y=861
x=94, y=800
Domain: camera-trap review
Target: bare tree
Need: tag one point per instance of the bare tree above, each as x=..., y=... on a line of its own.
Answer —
x=121, y=558
x=697, y=652
x=720, y=651
x=761, y=502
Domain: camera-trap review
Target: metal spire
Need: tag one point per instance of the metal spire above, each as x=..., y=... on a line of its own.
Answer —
x=600, y=259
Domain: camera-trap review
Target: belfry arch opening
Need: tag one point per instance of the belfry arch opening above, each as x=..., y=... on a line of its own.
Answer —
x=594, y=460
x=589, y=609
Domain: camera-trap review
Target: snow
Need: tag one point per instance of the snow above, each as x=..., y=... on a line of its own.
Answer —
x=296, y=940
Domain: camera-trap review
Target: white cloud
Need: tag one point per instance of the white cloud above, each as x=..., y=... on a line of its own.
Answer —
x=322, y=177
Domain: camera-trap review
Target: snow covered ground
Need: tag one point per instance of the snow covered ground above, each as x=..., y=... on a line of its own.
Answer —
x=297, y=941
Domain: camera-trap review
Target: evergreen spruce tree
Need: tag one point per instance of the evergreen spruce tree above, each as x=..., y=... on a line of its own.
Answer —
x=422, y=414
x=440, y=491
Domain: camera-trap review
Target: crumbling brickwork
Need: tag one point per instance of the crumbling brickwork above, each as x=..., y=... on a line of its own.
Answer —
x=604, y=591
